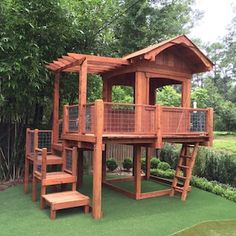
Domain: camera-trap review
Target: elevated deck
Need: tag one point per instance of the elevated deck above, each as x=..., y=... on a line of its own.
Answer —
x=143, y=124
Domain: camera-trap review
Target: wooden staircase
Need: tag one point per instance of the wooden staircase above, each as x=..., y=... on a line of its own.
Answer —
x=185, y=165
x=67, y=175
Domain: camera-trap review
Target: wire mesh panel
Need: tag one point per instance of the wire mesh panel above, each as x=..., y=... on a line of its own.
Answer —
x=89, y=118
x=45, y=139
x=30, y=145
x=68, y=159
x=198, y=121
x=60, y=129
x=183, y=120
x=119, y=118
x=73, y=114
x=148, y=119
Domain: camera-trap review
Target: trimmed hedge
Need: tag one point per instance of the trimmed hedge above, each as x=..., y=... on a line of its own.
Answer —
x=210, y=164
x=215, y=187
x=111, y=164
x=127, y=163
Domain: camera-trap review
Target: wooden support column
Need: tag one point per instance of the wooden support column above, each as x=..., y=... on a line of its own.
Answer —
x=186, y=93
x=148, y=162
x=158, y=126
x=107, y=91
x=56, y=97
x=137, y=173
x=80, y=168
x=140, y=98
x=97, y=160
x=104, y=167
x=65, y=121
x=210, y=127
x=82, y=95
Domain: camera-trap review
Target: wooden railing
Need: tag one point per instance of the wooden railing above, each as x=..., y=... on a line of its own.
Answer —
x=122, y=118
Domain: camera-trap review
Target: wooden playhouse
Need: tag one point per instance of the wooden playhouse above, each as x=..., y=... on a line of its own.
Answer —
x=90, y=126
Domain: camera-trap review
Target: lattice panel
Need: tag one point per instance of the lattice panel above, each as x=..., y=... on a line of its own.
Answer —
x=69, y=159
x=45, y=140
x=73, y=112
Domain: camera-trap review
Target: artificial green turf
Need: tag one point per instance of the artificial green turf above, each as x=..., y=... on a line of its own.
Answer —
x=211, y=228
x=122, y=216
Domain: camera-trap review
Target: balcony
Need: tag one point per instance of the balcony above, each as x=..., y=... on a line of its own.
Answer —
x=120, y=120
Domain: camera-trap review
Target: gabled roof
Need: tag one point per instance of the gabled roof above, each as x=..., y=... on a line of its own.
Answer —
x=152, y=51
x=99, y=65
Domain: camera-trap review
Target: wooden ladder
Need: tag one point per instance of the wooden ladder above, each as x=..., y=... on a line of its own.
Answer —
x=185, y=164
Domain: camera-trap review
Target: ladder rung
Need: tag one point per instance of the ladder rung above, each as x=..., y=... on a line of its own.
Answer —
x=186, y=156
x=184, y=167
x=178, y=189
x=181, y=177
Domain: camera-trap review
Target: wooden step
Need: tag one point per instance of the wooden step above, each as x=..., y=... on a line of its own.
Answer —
x=58, y=177
x=52, y=160
x=65, y=200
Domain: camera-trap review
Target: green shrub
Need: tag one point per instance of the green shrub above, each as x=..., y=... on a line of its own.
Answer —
x=168, y=174
x=211, y=164
x=143, y=164
x=163, y=165
x=111, y=164
x=154, y=162
x=127, y=163
x=170, y=154
x=220, y=189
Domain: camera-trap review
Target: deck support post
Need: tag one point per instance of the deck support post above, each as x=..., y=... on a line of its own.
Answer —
x=82, y=95
x=80, y=168
x=56, y=98
x=97, y=160
x=137, y=171
x=107, y=91
x=210, y=127
x=158, y=127
x=148, y=163
x=104, y=153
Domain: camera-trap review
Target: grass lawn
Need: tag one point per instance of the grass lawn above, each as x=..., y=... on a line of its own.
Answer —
x=225, y=141
x=122, y=216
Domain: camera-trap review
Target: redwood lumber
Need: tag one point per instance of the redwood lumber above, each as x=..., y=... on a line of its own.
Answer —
x=137, y=171
x=82, y=95
x=56, y=95
x=97, y=161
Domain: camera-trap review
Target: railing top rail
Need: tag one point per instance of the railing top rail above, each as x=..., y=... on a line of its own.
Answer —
x=128, y=104
x=74, y=105
x=184, y=108
x=89, y=104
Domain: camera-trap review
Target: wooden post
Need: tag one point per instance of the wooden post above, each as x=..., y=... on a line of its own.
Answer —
x=210, y=126
x=140, y=98
x=104, y=167
x=97, y=160
x=26, y=171
x=80, y=168
x=74, y=166
x=137, y=173
x=65, y=121
x=158, y=126
x=148, y=162
x=186, y=93
x=107, y=91
x=82, y=95
x=56, y=97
